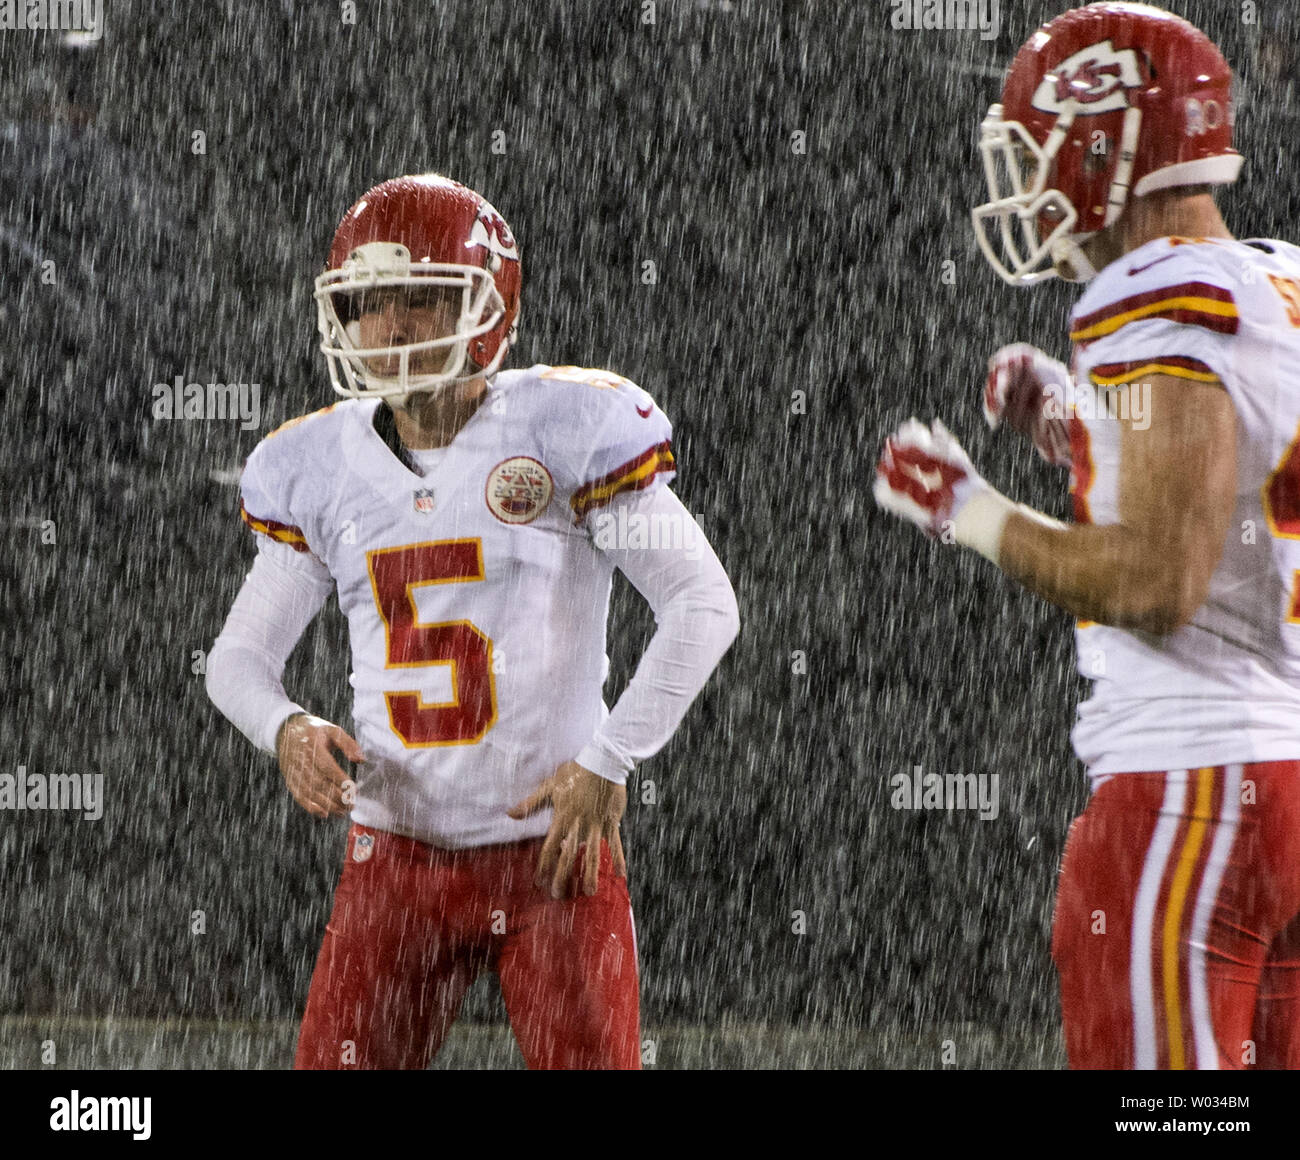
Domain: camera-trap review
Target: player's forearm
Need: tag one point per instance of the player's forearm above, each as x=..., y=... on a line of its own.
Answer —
x=1109, y=573
x=245, y=667
x=245, y=685
x=695, y=630
x=695, y=608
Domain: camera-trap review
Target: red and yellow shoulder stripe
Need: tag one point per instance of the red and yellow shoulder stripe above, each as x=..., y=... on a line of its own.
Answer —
x=1195, y=303
x=284, y=533
x=1176, y=366
x=634, y=475
x=300, y=419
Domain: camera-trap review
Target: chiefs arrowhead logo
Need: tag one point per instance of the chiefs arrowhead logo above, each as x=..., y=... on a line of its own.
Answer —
x=490, y=231
x=518, y=489
x=1094, y=78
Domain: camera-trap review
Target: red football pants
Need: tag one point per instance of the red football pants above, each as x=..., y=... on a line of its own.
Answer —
x=1177, y=928
x=413, y=925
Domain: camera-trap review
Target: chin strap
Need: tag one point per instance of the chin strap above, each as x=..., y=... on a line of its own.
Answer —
x=1070, y=250
x=1069, y=254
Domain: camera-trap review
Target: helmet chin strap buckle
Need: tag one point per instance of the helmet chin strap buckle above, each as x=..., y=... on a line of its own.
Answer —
x=1071, y=262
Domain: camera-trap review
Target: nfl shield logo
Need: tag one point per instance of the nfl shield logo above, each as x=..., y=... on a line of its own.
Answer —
x=363, y=847
x=424, y=500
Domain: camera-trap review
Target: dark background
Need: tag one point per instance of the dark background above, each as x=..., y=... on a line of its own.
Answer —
x=777, y=272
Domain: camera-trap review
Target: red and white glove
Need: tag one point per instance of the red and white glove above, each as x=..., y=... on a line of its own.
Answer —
x=925, y=476
x=1028, y=390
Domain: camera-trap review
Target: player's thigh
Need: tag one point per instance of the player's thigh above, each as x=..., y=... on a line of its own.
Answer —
x=1090, y=946
x=1156, y=960
x=569, y=978
x=388, y=979
x=1275, y=797
x=1275, y=1045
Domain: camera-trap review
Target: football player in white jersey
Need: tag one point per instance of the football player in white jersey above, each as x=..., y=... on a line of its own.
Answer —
x=1177, y=926
x=470, y=519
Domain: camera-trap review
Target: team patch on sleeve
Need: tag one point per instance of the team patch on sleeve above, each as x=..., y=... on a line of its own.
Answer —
x=284, y=533
x=634, y=475
x=1176, y=366
x=1194, y=303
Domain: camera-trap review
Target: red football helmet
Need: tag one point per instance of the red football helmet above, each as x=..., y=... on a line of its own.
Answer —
x=1100, y=101
x=426, y=231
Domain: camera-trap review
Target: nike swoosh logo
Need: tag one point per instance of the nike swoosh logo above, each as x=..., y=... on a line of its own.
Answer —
x=646, y=413
x=1139, y=269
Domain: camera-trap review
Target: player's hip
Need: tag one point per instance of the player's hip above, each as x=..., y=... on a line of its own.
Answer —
x=382, y=868
x=1184, y=852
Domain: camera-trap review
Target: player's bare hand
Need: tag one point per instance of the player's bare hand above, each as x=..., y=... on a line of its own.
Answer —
x=306, y=746
x=587, y=808
x=1028, y=391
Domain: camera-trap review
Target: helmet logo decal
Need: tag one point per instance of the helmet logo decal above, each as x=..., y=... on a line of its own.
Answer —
x=490, y=230
x=1095, y=78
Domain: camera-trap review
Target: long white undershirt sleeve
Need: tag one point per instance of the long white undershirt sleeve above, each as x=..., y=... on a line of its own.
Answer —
x=697, y=617
x=685, y=586
x=245, y=668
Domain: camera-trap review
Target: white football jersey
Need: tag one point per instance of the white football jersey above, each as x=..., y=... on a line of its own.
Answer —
x=1226, y=687
x=476, y=599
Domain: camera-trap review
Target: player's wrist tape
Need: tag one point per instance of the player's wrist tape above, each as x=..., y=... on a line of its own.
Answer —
x=981, y=520
x=980, y=523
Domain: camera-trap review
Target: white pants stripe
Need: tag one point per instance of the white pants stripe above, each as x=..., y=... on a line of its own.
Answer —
x=1207, y=1051
x=1141, y=981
